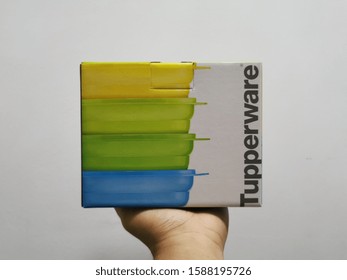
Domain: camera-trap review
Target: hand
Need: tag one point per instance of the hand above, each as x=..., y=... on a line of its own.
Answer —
x=189, y=233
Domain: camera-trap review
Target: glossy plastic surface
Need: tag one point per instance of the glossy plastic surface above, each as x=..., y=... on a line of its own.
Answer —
x=105, y=126
x=134, y=115
x=171, y=199
x=136, y=109
x=133, y=80
x=135, y=163
x=138, y=181
x=137, y=145
x=137, y=151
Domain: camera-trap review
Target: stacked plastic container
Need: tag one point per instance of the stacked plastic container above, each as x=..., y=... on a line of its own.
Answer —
x=135, y=134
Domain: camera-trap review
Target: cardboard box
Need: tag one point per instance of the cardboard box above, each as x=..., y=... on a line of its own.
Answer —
x=171, y=134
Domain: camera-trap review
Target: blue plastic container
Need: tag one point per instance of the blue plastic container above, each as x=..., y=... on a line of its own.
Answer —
x=163, y=188
x=172, y=199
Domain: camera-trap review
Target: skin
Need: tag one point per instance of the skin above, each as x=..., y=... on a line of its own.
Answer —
x=179, y=234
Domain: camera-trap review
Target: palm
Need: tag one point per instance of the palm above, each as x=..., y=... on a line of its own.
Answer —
x=152, y=226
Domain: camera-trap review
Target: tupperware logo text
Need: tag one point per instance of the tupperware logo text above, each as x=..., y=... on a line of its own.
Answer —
x=252, y=160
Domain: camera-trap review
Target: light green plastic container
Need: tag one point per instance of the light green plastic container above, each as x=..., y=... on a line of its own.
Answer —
x=137, y=151
x=137, y=115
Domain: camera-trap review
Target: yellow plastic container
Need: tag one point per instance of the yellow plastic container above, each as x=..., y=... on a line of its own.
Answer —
x=136, y=79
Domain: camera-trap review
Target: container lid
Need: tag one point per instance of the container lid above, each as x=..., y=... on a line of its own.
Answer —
x=120, y=137
x=151, y=173
x=162, y=101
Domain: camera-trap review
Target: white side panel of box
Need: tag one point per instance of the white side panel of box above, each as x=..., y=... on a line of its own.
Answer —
x=223, y=120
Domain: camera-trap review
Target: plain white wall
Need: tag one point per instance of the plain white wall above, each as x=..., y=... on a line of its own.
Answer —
x=303, y=45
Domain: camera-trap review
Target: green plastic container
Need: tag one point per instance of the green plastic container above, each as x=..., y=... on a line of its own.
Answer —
x=137, y=151
x=168, y=126
x=135, y=163
x=137, y=115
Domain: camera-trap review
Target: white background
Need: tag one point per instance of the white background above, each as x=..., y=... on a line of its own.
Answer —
x=303, y=47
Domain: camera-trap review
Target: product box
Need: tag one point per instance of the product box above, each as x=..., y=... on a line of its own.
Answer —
x=171, y=134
